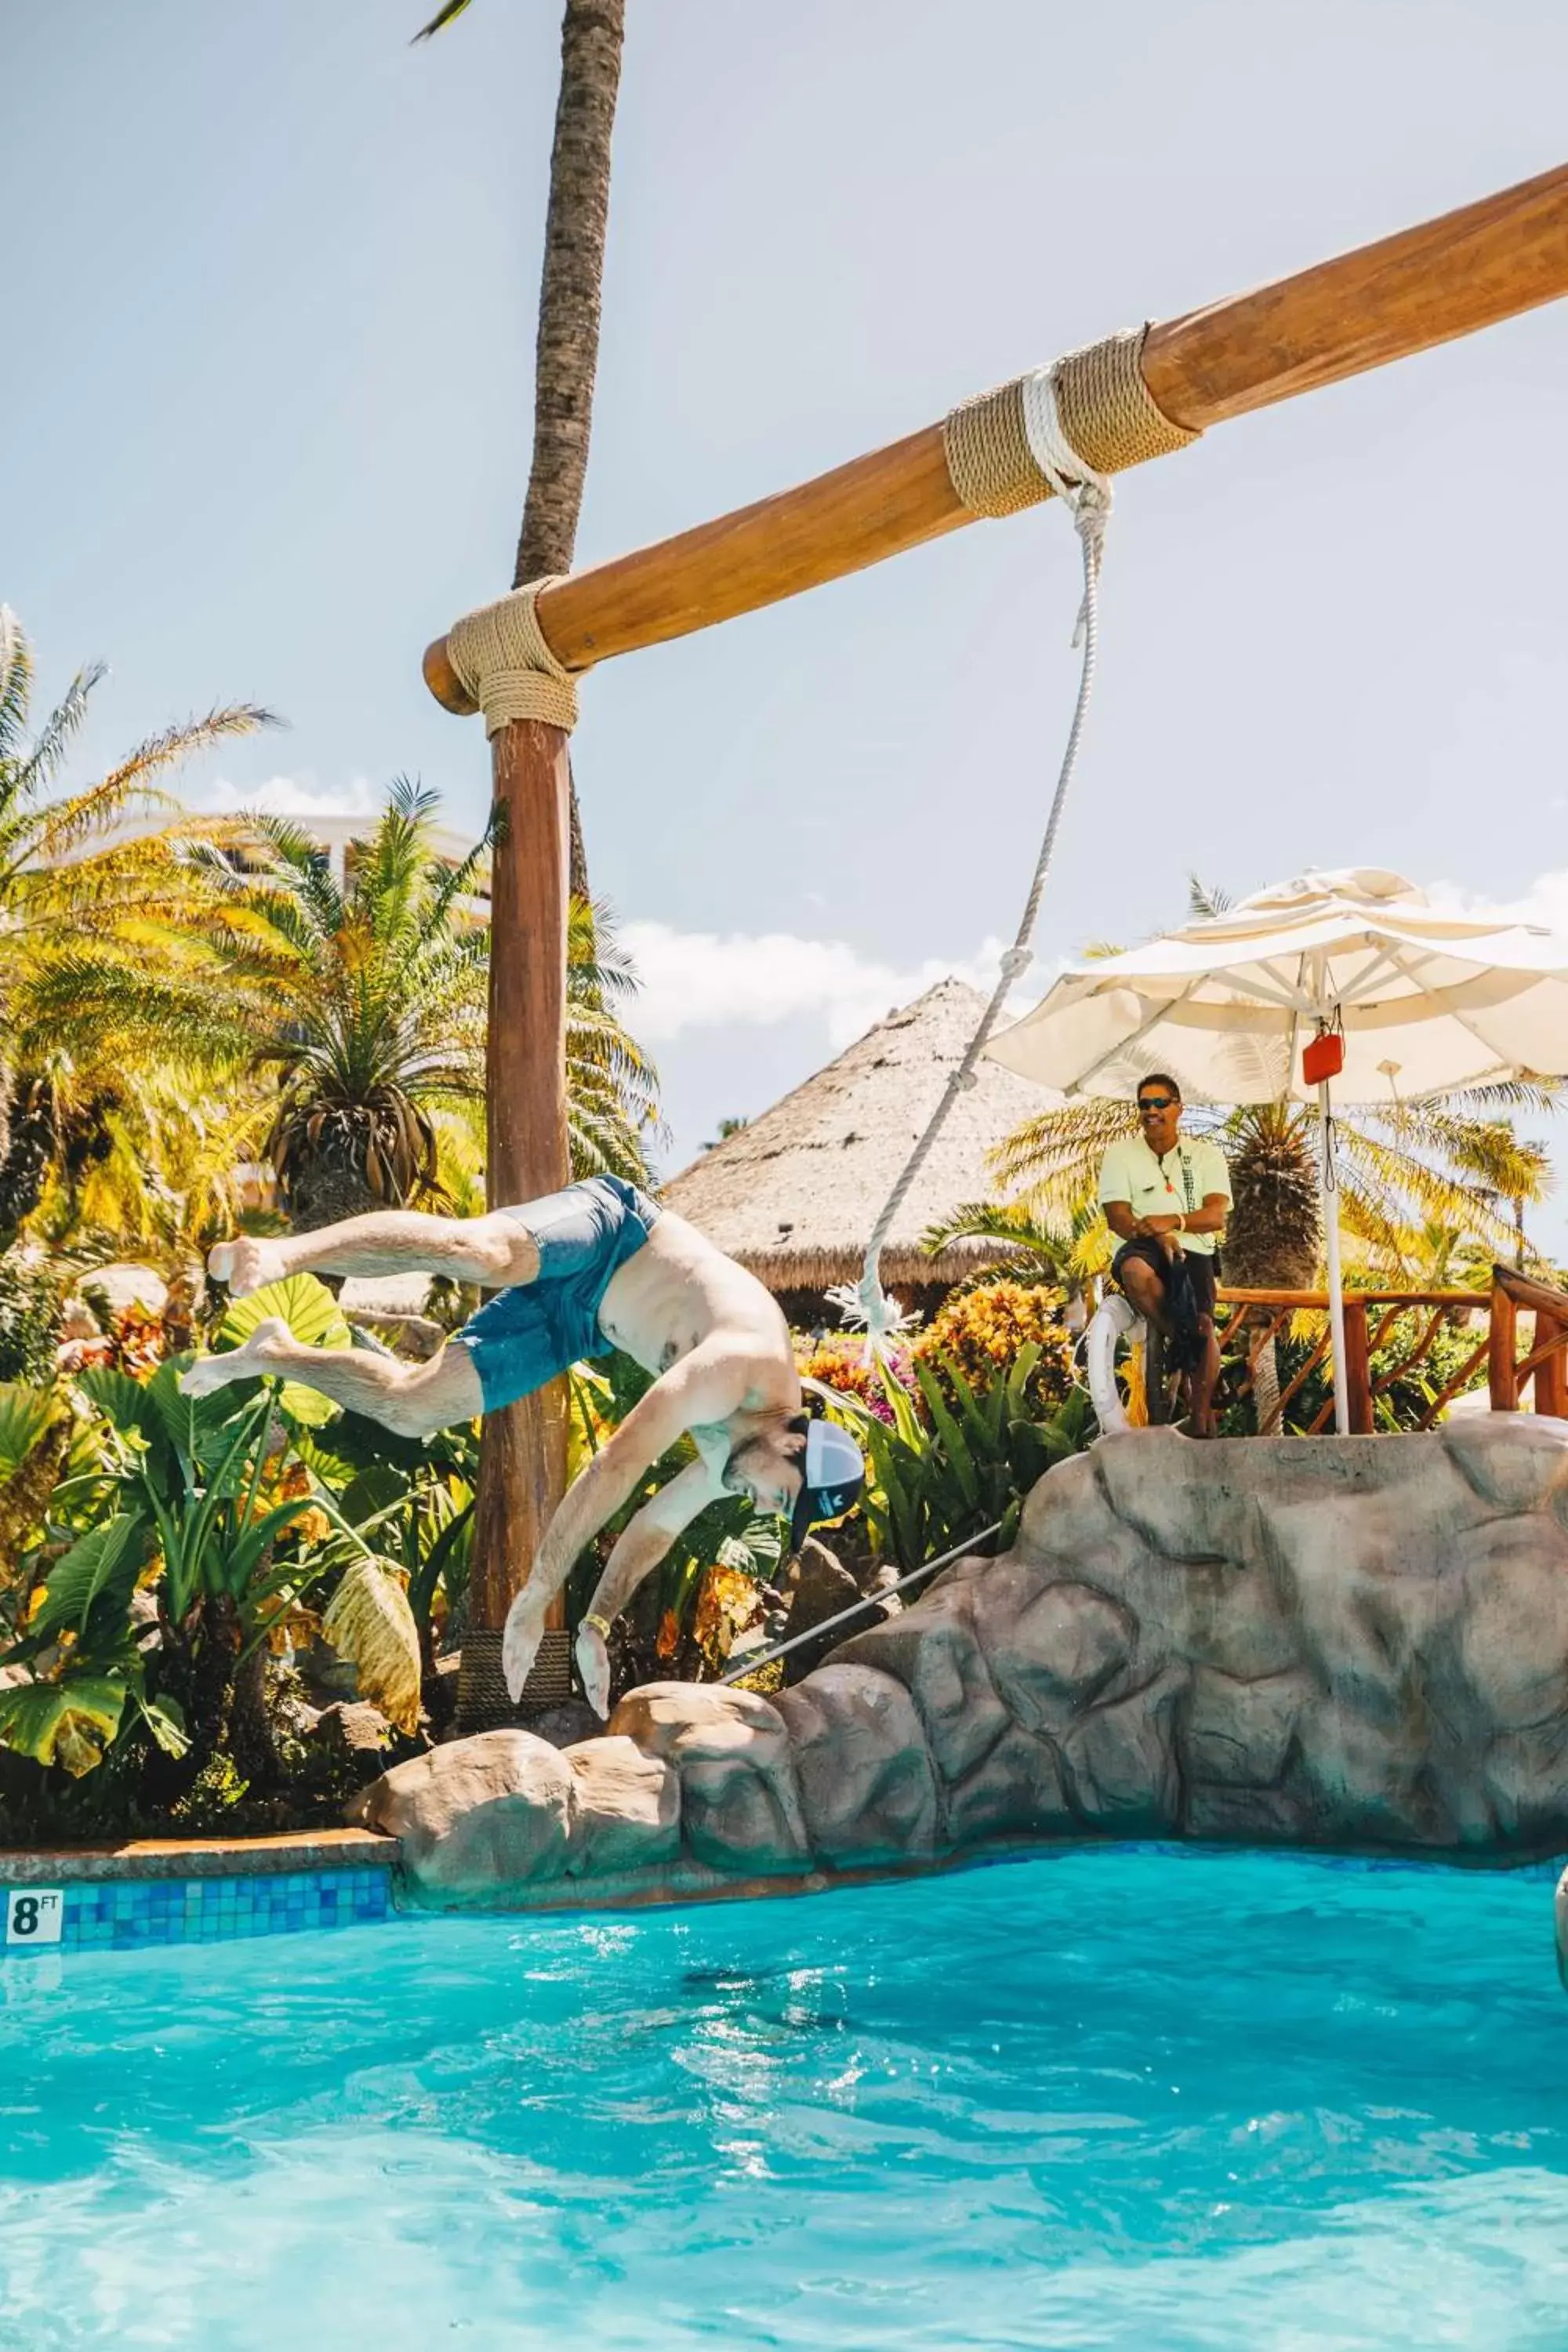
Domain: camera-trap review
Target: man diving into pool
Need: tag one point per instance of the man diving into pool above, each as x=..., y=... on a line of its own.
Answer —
x=596, y=1266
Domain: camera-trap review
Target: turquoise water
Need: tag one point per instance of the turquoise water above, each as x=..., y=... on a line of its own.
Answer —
x=1112, y=2098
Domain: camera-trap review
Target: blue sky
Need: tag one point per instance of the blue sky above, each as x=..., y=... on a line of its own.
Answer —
x=272, y=279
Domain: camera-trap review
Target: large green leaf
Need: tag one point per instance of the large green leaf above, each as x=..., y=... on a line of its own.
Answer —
x=128, y=1407
x=97, y=1575
x=68, y=1723
x=24, y=1414
x=312, y=1316
x=373, y=1490
x=307, y=1306
x=200, y=1428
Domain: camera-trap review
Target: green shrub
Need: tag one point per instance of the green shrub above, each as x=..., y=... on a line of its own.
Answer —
x=931, y=1487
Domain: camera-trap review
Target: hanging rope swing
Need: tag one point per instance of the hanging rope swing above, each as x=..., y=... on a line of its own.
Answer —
x=1058, y=432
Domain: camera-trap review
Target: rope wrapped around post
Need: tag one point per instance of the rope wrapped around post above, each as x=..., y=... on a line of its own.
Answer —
x=1109, y=418
x=499, y=655
x=1055, y=433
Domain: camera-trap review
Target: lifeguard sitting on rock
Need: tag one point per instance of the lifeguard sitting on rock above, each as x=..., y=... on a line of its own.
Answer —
x=596, y=1266
x=1166, y=1197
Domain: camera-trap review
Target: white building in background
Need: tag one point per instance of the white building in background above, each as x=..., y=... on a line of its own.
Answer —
x=338, y=839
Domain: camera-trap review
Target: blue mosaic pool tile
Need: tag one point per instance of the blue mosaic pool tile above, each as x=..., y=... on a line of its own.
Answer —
x=127, y=1914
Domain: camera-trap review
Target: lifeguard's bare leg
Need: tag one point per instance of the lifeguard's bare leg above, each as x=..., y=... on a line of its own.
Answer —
x=411, y=1399
x=1143, y=1287
x=1201, y=1383
x=494, y=1250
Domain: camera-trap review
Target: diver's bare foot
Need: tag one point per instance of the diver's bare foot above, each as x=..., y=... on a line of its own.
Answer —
x=270, y=1349
x=247, y=1264
x=520, y=1639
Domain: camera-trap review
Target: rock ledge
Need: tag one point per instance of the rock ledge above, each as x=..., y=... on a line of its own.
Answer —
x=1353, y=1642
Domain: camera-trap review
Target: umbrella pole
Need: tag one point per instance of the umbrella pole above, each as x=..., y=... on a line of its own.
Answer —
x=1329, y=1190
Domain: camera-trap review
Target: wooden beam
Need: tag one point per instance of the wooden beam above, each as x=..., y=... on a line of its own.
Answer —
x=1447, y=277
x=1525, y=1290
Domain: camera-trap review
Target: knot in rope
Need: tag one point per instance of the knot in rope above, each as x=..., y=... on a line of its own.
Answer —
x=501, y=655
x=1015, y=962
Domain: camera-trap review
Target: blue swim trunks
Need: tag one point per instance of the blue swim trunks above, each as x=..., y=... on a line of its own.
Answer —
x=522, y=1338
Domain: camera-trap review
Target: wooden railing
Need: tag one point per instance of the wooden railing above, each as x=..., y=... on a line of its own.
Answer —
x=1255, y=1317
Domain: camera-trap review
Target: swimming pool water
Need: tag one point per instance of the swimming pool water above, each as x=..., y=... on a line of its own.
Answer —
x=1109, y=2098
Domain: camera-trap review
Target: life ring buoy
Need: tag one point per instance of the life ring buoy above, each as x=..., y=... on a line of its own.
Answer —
x=1114, y=1321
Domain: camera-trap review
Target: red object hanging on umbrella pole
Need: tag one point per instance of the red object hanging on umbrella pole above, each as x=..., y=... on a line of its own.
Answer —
x=1324, y=1058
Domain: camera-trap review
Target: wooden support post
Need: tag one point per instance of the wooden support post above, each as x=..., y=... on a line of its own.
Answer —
x=522, y=1461
x=1550, y=1374
x=1358, y=1368
x=1500, y=1382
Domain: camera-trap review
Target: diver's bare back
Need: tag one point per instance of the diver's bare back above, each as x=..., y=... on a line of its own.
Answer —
x=678, y=1294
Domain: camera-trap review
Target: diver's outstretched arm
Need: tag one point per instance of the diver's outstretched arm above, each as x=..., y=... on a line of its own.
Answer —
x=640, y=1546
x=707, y=1386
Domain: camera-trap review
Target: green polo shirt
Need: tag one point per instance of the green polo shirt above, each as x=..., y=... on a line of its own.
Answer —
x=1171, y=1187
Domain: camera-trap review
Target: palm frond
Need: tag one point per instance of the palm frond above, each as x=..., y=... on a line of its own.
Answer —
x=1205, y=902
x=47, y=752
x=15, y=682
x=453, y=9
x=1012, y=1222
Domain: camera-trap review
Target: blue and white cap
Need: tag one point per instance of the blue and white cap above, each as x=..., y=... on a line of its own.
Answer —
x=835, y=1474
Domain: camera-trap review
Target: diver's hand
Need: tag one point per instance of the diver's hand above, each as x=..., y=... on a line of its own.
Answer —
x=520, y=1639
x=594, y=1666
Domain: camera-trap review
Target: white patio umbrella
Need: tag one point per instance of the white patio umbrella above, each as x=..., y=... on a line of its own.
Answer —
x=1428, y=1001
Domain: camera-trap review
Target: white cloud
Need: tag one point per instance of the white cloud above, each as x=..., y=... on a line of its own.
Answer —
x=289, y=796
x=703, y=980
x=1545, y=901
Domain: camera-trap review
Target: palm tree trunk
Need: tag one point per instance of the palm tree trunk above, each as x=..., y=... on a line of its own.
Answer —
x=522, y=1454
x=1266, y=1390
x=592, y=35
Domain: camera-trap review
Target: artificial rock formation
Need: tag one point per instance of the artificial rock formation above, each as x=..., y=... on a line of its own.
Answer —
x=1346, y=1641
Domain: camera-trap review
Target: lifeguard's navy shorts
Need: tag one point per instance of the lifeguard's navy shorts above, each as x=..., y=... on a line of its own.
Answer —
x=523, y=1336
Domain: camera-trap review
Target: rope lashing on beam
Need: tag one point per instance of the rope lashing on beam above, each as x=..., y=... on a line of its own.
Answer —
x=1036, y=409
x=1109, y=417
x=501, y=655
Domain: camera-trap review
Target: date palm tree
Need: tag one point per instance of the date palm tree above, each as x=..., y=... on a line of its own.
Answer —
x=69, y=875
x=1044, y=1250
x=571, y=289
x=364, y=1001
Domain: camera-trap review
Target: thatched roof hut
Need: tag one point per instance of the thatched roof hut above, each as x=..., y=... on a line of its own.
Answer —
x=795, y=1194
